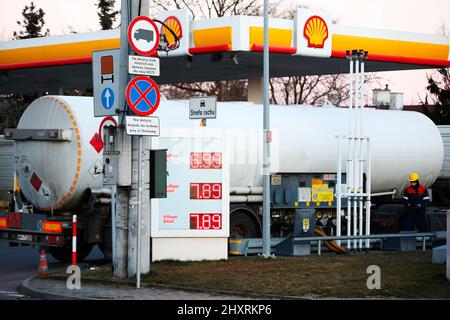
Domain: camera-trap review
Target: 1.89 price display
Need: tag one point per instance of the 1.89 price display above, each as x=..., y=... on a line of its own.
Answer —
x=206, y=191
x=205, y=221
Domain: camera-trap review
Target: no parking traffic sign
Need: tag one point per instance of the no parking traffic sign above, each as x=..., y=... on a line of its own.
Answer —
x=143, y=35
x=143, y=95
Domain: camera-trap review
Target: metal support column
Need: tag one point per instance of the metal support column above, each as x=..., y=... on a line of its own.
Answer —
x=266, y=137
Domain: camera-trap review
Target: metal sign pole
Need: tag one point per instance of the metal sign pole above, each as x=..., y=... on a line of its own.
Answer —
x=448, y=245
x=266, y=137
x=139, y=211
x=139, y=200
x=120, y=218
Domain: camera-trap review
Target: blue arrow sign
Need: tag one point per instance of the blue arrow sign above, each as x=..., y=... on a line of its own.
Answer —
x=107, y=98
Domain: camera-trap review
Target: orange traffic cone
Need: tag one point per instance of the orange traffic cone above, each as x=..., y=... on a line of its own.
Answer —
x=43, y=266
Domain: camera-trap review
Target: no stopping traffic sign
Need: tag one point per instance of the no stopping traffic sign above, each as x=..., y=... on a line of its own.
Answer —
x=143, y=95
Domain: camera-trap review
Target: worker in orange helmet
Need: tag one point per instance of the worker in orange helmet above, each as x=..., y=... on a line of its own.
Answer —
x=416, y=199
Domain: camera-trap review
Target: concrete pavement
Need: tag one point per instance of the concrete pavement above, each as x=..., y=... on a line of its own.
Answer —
x=18, y=266
x=20, y=263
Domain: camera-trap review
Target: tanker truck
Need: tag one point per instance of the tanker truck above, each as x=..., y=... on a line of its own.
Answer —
x=58, y=172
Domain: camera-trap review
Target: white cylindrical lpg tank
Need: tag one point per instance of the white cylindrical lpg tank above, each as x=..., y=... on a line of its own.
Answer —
x=303, y=141
x=59, y=172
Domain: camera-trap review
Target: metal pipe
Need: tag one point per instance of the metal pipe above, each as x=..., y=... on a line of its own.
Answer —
x=246, y=190
x=368, y=190
x=101, y=191
x=349, y=172
x=350, y=81
x=319, y=247
x=365, y=194
x=255, y=198
x=350, y=129
x=246, y=198
x=361, y=181
x=363, y=155
x=355, y=129
x=363, y=57
x=113, y=220
x=355, y=220
x=349, y=213
x=361, y=143
x=103, y=200
x=266, y=142
x=418, y=236
x=338, y=188
x=378, y=194
x=236, y=199
x=354, y=153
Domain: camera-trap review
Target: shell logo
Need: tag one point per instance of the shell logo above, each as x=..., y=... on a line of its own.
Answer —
x=316, y=32
x=173, y=23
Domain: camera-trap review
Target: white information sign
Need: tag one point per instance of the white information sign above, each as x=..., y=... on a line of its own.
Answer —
x=203, y=107
x=105, y=79
x=142, y=126
x=144, y=66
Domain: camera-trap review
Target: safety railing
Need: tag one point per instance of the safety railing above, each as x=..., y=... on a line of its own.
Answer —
x=381, y=237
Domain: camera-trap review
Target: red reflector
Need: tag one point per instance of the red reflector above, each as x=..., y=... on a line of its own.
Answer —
x=53, y=239
x=15, y=220
x=52, y=227
x=3, y=223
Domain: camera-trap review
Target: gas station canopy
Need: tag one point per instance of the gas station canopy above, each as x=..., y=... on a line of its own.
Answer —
x=222, y=49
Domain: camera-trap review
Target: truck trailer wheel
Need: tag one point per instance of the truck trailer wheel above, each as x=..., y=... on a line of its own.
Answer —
x=243, y=226
x=64, y=254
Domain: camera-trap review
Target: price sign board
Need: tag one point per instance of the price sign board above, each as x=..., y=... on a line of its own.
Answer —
x=197, y=203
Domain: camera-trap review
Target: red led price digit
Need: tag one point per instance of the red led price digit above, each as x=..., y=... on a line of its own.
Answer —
x=217, y=191
x=195, y=160
x=217, y=221
x=206, y=223
x=217, y=160
x=206, y=190
x=206, y=157
x=195, y=221
x=195, y=191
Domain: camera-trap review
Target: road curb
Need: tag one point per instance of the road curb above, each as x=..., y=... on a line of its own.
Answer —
x=198, y=290
x=27, y=289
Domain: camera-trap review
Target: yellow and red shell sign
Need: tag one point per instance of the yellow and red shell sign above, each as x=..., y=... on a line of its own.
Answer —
x=173, y=23
x=316, y=32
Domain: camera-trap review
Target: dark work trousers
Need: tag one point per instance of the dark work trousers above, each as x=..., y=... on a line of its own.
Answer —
x=415, y=216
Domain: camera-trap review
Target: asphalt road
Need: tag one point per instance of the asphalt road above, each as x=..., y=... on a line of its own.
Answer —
x=19, y=263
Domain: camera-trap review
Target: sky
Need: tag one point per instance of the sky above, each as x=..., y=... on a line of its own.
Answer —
x=420, y=16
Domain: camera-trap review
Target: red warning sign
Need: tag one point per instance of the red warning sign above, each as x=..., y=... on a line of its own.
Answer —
x=35, y=181
x=96, y=141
